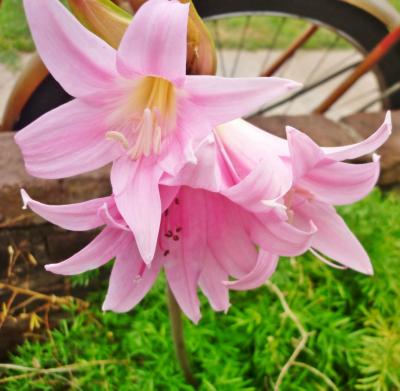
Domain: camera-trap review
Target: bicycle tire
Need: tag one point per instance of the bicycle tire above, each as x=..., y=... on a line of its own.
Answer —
x=364, y=31
x=361, y=28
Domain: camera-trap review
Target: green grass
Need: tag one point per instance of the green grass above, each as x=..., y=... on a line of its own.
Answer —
x=14, y=33
x=354, y=321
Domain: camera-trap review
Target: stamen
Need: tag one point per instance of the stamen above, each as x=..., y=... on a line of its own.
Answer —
x=118, y=137
x=324, y=260
x=150, y=113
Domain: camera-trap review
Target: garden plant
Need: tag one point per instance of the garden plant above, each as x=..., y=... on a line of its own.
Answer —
x=202, y=200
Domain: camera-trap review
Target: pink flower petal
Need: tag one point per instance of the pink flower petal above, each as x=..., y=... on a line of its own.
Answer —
x=268, y=181
x=155, y=42
x=111, y=217
x=227, y=237
x=223, y=99
x=67, y=141
x=206, y=174
x=263, y=270
x=80, y=61
x=75, y=217
x=333, y=238
x=305, y=154
x=249, y=142
x=280, y=237
x=342, y=183
x=371, y=144
x=130, y=280
x=185, y=255
x=168, y=195
x=211, y=283
x=135, y=186
x=101, y=250
x=179, y=148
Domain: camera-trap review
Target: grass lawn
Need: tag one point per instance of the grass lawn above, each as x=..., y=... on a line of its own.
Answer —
x=352, y=320
x=14, y=33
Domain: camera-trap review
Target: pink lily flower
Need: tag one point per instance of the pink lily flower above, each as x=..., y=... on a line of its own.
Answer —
x=209, y=232
x=320, y=180
x=134, y=106
x=203, y=240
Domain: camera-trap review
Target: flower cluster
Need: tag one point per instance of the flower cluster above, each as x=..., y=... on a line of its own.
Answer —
x=207, y=197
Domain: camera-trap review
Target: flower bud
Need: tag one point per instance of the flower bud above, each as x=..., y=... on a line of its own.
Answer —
x=103, y=18
x=201, y=55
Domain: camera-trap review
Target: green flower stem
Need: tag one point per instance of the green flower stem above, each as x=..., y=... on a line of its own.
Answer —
x=178, y=338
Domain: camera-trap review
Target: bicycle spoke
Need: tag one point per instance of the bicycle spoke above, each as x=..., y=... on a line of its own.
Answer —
x=385, y=94
x=357, y=97
x=273, y=42
x=291, y=50
x=241, y=45
x=318, y=65
x=314, y=70
x=309, y=88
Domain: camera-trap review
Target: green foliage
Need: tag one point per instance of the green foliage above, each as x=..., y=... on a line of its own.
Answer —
x=14, y=33
x=354, y=322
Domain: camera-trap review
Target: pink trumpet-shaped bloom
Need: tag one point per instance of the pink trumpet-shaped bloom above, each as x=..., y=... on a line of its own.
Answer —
x=209, y=232
x=320, y=180
x=204, y=240
x=134, y=106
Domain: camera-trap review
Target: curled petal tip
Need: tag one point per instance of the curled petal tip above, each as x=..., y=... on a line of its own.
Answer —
x=290, y=130
x=388, y=120
x=210, y=139
x=314, y=228
x=25, y=199
x=293, y=85
x=369, y=270
x=227, y=308
x=196, y=319
x=376, y=157
x=147, y=259
x=50, y=267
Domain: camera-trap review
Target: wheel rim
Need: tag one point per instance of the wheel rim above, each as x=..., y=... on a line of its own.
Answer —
x=323, y=72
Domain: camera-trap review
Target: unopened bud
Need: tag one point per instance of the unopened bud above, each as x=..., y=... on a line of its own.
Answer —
x=103, y=18
x=201, y=56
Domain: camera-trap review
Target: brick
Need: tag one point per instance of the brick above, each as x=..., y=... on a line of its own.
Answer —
x=13, y=177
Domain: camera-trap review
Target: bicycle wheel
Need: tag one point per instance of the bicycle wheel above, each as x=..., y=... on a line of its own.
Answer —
x=346, y=34
x=347, y=25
